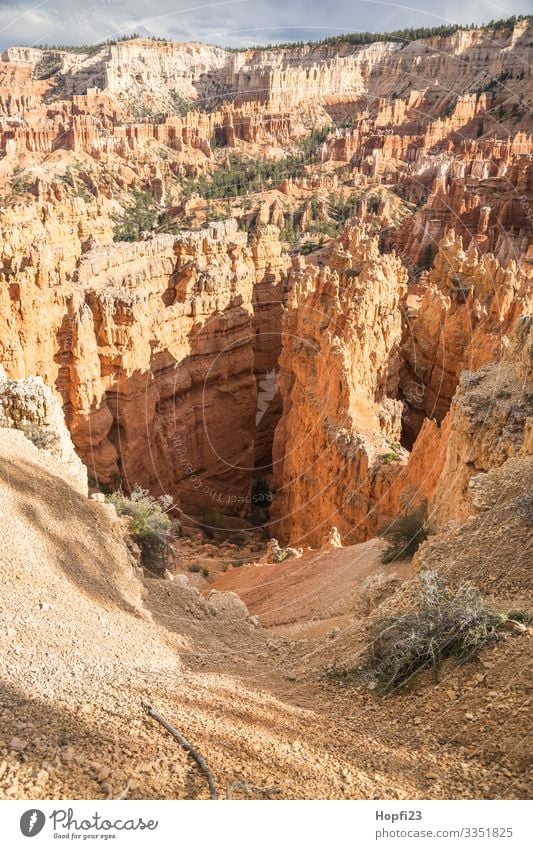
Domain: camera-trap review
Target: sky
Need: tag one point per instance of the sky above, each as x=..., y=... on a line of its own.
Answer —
x=233, y=23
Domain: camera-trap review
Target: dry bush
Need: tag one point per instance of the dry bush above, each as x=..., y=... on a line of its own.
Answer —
x=446, y=623
x=404, y=536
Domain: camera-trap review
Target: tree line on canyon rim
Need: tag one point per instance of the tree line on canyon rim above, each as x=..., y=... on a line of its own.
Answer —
x=404, y=36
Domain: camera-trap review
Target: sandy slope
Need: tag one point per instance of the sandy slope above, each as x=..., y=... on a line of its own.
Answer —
x=314, y=593
x=80, y=649
x=79, y=652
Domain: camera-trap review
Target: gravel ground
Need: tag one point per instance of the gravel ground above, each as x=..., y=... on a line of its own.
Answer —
x=83, y=642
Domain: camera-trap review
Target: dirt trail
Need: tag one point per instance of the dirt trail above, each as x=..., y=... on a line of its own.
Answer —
x=80, y=648
x=308, y=596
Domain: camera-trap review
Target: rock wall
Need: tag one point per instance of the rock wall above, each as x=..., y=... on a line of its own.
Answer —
x=468, y=309
x=167, y=352
x=338, y=371
x=337, y=461
x=156, y=348
x=490, y=422
x=174, y=333
x=30, y=406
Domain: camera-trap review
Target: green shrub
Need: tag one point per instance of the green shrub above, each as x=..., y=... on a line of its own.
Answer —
x=150, y=526
x=404, y=536
x=324, y=228
x=42, y=437
x=198, y=569
x=84, y=193
x=141, y=216
x=181, y=105
x=389, y=457
x=245, y=176
x=20, y=185
x=525, y=617
x=213, y=521
x=446, y=623
x=339, y=673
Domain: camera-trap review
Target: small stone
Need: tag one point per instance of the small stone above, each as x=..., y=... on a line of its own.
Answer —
x=41, y=777
x=17, y=745
x=103, y=774
x=513, y=627
x=111, y=512
x=469, y=716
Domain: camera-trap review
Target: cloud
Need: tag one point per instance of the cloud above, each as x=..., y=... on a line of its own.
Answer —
x=229, y=22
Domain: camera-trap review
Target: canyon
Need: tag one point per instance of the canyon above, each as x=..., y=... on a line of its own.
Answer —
x=144, y=341
x=291, y=289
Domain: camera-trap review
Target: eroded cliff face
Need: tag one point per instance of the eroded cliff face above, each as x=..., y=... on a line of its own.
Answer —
x=29, y=406
x=338, y=373
x=468, y=309
x=337, y=457
x=175, y=334
x=490, y=423
x=156, y=349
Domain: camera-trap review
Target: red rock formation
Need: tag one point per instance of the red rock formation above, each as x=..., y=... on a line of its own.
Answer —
x=489, y=423
x=339, y=361
x=466, y=314
x=165, y=351
x=146, y=342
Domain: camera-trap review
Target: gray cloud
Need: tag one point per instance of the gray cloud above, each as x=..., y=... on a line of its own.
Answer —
x=229, y=22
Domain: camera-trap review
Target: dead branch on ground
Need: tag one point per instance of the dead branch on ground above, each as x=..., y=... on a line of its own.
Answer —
x=186, y=746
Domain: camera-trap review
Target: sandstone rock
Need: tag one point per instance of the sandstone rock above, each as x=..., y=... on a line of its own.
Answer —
x=29, y=405
x=334, y=538
x=165, y=351
x=340, y=338
x=466, y=316
x=16, y=744
x=227, y=604
x=277, y=554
